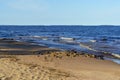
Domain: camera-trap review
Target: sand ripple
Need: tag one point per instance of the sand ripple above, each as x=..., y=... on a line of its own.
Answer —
x=11, y=70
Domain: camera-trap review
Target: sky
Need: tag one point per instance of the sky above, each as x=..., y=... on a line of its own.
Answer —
x=59, y=12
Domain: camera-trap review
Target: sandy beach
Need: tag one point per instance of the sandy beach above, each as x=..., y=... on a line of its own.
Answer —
x=42, y=63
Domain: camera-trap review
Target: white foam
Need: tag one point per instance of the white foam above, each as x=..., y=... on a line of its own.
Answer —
x=93, y=41
x=116, y=55
x=40, y=37
x=67, y=38
x=36, y=36
x=87, y=47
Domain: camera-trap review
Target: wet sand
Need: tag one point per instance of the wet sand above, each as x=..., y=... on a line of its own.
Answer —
x=42, y=63
x=9, y=46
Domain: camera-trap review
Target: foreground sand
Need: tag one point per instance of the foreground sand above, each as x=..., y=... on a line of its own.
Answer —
x=54, y=65
x=48, y=67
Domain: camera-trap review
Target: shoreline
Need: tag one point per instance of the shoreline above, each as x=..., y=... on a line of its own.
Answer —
x=13, y=47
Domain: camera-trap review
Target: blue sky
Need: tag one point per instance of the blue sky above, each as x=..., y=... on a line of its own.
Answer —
x=60, y=12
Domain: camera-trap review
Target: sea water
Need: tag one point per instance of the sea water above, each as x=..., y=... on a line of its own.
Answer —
x=104, y=39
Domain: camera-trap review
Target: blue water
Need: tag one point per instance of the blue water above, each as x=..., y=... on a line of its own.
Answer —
x=93, y=38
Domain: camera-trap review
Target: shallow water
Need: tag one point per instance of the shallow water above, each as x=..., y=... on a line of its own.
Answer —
x=93, y=38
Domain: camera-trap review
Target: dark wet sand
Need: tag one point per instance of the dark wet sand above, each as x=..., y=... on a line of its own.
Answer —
x=9, y=46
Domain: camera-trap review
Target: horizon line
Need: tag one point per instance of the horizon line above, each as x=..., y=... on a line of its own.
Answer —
x=52, y=25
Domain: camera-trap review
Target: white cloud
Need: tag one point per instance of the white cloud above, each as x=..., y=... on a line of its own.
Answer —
x=29, y=5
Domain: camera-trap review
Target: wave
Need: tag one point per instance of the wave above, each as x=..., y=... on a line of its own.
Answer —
x=87, y=47
x=98, y=47
x=40, y=37
x=67, y=38
x=114, y=37
x=93, y=41
x=112, y=59
x=116, y=55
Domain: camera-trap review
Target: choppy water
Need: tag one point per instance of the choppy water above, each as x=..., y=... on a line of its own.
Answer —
x=92, y=38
